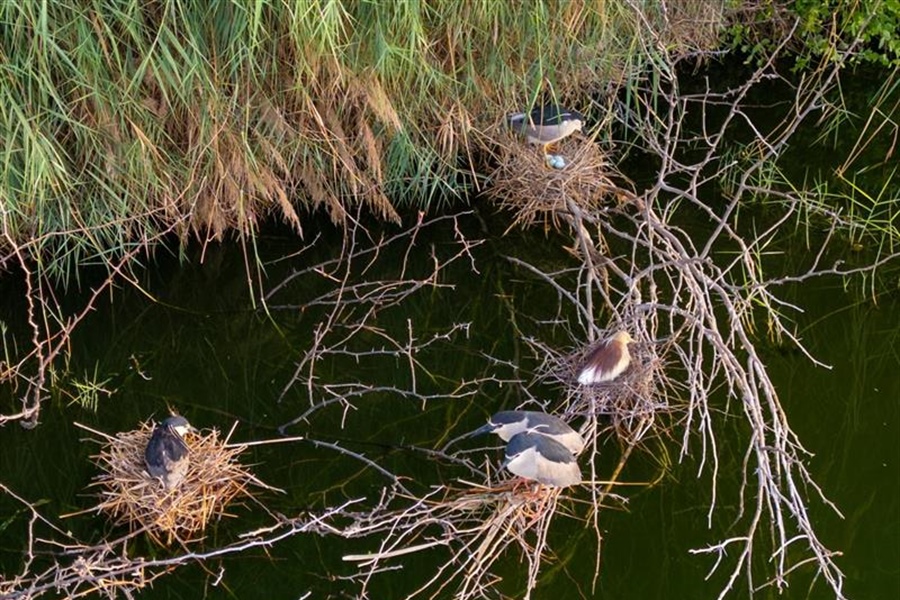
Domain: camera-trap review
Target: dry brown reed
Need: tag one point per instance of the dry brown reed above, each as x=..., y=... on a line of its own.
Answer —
x=478, y=524
x=131, y=497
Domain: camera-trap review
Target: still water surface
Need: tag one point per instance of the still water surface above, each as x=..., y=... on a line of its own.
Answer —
x=197, y=338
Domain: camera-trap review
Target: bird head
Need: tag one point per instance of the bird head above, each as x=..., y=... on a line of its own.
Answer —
x=179, y=425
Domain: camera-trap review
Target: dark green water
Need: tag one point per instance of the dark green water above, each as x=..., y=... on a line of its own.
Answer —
x=203, y=346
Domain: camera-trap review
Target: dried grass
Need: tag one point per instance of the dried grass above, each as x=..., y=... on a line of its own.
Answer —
x=131, y=497
x=524, y=184
x=478, y=524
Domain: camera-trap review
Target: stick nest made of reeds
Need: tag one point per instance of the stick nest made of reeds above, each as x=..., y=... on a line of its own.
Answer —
x=132, y=497
x=526, y=184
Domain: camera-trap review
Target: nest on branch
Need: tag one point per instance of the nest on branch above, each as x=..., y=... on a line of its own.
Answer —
x=130, y=496
x=525, y=183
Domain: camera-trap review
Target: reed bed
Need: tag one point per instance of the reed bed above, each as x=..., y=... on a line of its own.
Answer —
x=121, y=120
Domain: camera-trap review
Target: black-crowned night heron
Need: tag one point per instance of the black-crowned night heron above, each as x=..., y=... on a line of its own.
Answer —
x=546, y=124
x=508, y=423
x=166, y=455
x=607, y=361
x=540, y=458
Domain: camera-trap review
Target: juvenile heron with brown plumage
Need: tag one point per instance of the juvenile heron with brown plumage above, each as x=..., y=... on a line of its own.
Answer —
x=609, y=359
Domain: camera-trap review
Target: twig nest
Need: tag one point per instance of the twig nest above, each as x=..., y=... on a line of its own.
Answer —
x=633, y=398
x=538, y=187
x=131, y=497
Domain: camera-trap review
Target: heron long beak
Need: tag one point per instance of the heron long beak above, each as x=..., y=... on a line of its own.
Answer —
x=480, y=431
x=489, y=428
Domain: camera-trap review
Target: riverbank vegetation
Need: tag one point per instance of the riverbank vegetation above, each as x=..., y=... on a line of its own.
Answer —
x=126, y=121
x=131, y=124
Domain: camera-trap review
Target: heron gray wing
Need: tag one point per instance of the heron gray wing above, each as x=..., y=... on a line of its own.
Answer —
x=547, y=424
x=164, y=448
x=547, y=447
x=553, y=114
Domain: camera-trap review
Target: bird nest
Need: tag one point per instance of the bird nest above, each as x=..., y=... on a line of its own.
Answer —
x=130, y=496
x=527, y=185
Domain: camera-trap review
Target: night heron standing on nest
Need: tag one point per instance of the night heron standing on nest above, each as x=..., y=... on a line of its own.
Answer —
x=166, y=455
x=546, y=124
x=607, y=361
x=541, y=447
x=541, y=458
x=508, y=423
